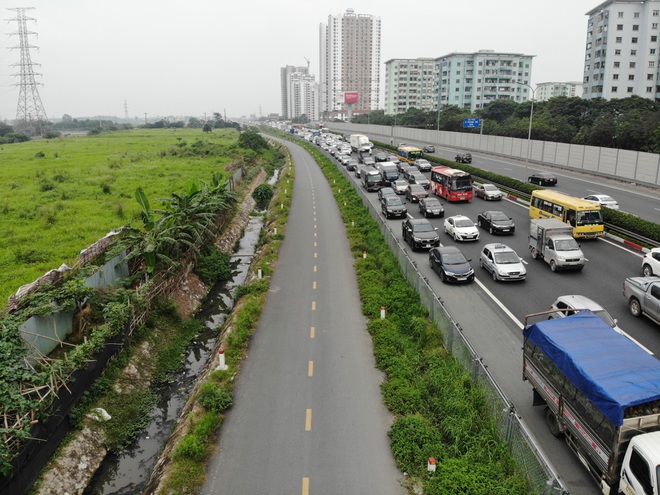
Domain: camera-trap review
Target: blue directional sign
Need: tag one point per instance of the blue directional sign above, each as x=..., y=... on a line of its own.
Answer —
x=471, y=122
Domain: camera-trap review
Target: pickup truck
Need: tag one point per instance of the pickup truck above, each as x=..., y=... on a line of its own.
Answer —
x=463, y=158
x=643, y=296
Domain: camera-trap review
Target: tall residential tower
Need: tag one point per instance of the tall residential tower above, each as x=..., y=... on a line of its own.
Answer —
x=300, y=94
x=349, y=62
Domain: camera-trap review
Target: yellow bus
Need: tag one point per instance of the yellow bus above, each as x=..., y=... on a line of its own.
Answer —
x=585, y=217
x=409, y=153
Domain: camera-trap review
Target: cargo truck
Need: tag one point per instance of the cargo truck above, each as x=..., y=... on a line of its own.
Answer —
x=552, y=241
x=601, y=392
x=360, y=143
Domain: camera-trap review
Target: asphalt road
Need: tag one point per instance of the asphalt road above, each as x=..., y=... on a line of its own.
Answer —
x=308, y=415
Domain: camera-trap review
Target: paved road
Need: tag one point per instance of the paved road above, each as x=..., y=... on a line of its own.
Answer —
x=308, y=415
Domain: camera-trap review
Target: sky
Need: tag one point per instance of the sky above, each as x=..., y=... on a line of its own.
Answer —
x=163, y=59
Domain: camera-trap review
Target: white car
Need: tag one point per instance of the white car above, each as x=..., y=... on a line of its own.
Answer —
x=603, y=200
x=502, y=262
x=461, y=228
x=651, y=263
x=570, y=304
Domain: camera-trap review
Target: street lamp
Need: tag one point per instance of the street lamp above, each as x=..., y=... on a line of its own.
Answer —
x=529, y=132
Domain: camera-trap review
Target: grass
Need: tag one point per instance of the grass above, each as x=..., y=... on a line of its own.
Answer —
x=59, y=196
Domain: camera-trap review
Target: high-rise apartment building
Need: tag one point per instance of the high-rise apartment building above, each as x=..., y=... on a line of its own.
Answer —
x=410, y=83
x=547, y=90
x=472, y=80
x=349, y=61
x=622, y=52
x=300, y=94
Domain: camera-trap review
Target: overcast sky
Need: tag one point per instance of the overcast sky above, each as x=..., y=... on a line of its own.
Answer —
x=167, y=58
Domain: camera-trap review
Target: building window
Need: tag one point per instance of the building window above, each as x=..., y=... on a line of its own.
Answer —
x=617, y=52
x=649, y=77
x=615, y=76
x=652, y=51
x=636, y=15
x=633, y=52
x=649, y=89
x=635, y=27
x=620, y=16
x=654, y=25
x=652, y=64
x=654, y=39
x=618, y=39
x=631, y=77
x=630, y=89
x=655, y=13
x=616, y=65
x=632, y=65
x=633, y=40
x=614, y=89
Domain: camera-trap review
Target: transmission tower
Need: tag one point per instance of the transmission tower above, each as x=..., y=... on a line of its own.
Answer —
x=30, y=114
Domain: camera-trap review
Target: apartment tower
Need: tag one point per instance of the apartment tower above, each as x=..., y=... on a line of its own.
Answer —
x=349, y=62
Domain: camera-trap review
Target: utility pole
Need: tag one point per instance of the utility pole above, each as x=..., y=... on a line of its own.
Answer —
x=30, y=113
x=125, y=111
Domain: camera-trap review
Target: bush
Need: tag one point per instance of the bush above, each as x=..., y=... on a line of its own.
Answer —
x=262, y=195
x=213, y=266
x=191, y=448
x=413, y=441
x=214, y=398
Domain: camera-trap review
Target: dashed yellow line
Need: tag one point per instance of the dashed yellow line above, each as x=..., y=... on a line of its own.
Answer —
x=314, y=285
x=315, y=268
x=305, y=486
x=312, y=333
x=313, y=305
x=310, y=369
x=308, y=420
x=315, y=244
x=316, y=255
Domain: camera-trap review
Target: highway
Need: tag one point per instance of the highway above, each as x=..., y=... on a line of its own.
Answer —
x=308, y=416
x=492, y=313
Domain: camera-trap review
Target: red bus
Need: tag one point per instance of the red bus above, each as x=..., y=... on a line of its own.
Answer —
x=451, y=184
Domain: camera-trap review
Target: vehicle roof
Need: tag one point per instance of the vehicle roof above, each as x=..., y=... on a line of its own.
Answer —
x=499, y=247
x=458, y=216
x=448, y=249
x=580, y=302
x=418, y=221
x=606, y=382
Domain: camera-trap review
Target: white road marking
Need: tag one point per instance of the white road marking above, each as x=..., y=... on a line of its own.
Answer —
x=515, y=320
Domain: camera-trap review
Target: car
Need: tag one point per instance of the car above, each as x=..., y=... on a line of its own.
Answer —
x=358, y=170
x=502, y=262
x=423, y=165
x=415, y=192
x=403, y=166
x=419, y=178
x=461, y=228
x=400, y=186
x=393, y=159
x=570, y=304
x=488, y=192
x=407, y=169
x=385, y=191
x=380, y=157
x=351, y=165
x=463, y=158
x=419, y=233
x=603, y=200
x=369, y=161
x=451, y=264
x=392, y=206
x=543, y=179
x=431, y=207
x=496, y=222
x=344, y=159
x=429, y=148
x=651, y=263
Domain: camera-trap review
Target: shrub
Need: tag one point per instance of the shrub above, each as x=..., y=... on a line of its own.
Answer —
x=262, y=195
x=191, y=448
x=413, y=441
x=214, y=398
x=207, y=426
x=213, y=266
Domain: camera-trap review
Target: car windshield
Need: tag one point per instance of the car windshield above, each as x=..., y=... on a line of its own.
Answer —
x=605, y=316
x=432, y=203
x=400, y=183
x=416, y=189
x=606, y=199
x=590, y=217
x=423, y=227
x=490, y=187
x=454, y=259
x=394, y=201
x=567, y=245
x=498, y=215
x=464, y=222
x=506, y=257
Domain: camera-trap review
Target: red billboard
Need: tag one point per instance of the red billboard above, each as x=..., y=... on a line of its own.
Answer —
x=351, y=97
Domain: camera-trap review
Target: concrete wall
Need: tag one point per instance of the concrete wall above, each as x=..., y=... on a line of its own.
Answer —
x=634, y=166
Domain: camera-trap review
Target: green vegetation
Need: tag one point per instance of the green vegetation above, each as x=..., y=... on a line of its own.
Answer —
x=59, y=196
x=626, y=123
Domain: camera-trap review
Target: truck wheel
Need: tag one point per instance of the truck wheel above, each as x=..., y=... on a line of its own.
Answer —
x=535, y=254
x=553, y=424
x=635, y=307
x=553, y=266
x=647, y=271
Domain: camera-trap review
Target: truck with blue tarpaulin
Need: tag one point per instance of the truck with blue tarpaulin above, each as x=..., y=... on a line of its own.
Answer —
x=602, y=394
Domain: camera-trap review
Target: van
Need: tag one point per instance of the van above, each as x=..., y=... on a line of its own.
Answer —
x=372, y=180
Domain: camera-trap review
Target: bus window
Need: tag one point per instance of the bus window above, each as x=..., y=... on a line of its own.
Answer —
x=570, y=217
x=558, y=211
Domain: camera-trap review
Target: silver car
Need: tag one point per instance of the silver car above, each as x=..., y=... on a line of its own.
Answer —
x=502, y=262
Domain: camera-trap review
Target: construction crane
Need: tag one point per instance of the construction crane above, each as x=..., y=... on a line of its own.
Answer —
x=308, y=62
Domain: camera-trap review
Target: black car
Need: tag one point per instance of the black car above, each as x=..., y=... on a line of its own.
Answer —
x=408, y=169
x=419, y=178
x=496, y=222
x=392, y=206
x=384, y=192
x=431, y=207
x=380, y=157
x=358, y=170
x=419, y=233
x=451, y=264
x=429, y=148
x=463, y=158
x=416, y=192
x=352, y=164
x=423, y=165
x=543, y=179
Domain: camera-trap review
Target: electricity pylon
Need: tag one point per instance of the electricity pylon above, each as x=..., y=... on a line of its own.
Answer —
x=30, y=114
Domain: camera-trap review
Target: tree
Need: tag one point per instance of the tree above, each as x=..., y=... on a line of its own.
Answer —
x=207, y=128
x=252, y=141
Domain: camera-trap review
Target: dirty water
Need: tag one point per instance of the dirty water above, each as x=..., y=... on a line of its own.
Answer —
x=129, y=472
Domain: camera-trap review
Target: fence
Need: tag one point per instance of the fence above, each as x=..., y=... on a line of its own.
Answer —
x=530, y=459
x=634, y=166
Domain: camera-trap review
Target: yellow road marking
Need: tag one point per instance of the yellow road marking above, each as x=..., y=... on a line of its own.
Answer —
x=315, y=244
x=308, y=420
x=316, y=255
x=305, y=486
x=314, y=284
x=315, y=268
x=312, y=333
x=310, y=369
x=314, y=234
x=313, y=305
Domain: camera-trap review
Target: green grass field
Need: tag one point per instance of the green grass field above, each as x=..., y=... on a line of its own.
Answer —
x=59, y=196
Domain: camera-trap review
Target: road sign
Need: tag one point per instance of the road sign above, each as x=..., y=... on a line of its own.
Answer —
x=471, y=122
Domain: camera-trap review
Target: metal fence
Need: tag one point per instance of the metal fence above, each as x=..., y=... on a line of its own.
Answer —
x=528, y=455
x=637, y=167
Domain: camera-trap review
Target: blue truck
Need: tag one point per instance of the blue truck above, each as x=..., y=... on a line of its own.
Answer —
x=601, y=392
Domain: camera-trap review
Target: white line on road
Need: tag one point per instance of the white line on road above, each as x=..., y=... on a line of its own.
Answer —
x=502, y=306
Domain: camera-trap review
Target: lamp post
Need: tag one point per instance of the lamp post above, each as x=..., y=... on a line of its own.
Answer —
x=529, y=132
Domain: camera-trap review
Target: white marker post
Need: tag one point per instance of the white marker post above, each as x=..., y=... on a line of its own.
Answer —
x=221, y=360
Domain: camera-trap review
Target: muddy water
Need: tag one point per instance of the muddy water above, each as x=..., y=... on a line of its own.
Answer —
x=128, y=472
